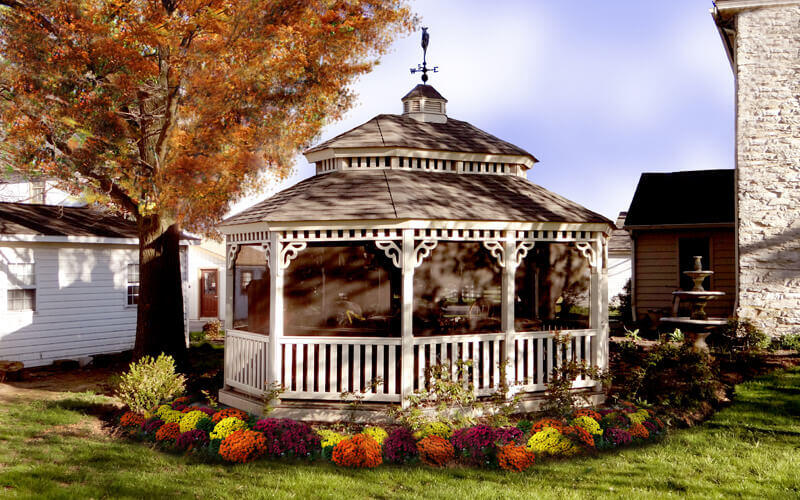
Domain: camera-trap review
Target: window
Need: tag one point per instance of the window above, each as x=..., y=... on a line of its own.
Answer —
x=247, y=277
x=37, y=192
x=133, y=284
x=21, y=287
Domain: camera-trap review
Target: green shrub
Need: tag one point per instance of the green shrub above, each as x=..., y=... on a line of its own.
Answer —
x=150, y=382
x=738, y=336
x=197, y=336
x=790, y=341
x=672, y=376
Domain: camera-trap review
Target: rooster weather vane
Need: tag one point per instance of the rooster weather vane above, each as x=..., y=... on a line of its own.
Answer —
x=424, y=66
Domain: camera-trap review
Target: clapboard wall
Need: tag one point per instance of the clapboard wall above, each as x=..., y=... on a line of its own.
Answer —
x=81, y=302
x=657, y=273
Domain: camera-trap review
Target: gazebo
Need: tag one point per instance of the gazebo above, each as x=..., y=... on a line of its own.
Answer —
x=418, y=242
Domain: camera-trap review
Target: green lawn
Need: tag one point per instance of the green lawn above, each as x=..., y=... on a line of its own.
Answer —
x=55, y=449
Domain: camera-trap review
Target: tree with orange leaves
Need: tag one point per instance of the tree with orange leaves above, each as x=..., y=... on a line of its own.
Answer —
x=169, y=110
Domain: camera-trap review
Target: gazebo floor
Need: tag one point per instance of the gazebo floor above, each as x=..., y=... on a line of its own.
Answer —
x=369, y=412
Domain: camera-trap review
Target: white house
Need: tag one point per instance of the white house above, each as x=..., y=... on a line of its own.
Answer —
x=68, y=283
x=619, y=258
x=68, y=277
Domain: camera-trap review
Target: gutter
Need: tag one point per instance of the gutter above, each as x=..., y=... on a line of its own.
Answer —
x=726, y=33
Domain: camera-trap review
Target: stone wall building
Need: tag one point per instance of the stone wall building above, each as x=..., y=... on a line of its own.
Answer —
x=762, y=38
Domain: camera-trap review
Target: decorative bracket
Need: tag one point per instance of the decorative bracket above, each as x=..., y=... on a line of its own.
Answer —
x=233, y=252
x=290, y=251
x=522, y=250
x=497, y=250
x=266, y=247
x=392, y=251
x=423, y=250
x=587, y=250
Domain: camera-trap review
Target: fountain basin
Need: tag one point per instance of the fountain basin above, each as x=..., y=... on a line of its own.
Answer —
x=697, y=329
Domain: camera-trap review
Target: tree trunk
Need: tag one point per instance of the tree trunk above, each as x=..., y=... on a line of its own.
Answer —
x=160, y=326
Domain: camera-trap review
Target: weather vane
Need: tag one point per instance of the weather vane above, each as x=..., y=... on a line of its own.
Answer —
x=424, y=66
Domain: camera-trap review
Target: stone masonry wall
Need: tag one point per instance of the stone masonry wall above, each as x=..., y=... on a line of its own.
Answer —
x=768, y=167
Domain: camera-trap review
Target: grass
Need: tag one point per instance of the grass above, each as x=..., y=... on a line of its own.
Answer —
x=55, y=449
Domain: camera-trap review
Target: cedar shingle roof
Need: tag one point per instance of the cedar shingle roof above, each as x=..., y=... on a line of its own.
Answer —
x=400, y=194
x=681, y=198
x=55, y=220
x=402, y=131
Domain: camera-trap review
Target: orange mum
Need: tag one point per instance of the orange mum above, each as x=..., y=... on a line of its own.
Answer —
x=229, y=412
x=358, y=451
x=588, y=412
x=243, y=446
x=435, y=450
x=579, y=435
x=131, y=419
x=548, y=422
x=516, y=458
x=168, y=432
x=639, y=431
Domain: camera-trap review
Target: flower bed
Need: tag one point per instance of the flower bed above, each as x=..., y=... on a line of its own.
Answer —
x=235, y=436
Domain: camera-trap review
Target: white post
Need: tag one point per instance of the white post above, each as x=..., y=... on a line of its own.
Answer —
x=275, y=309
x=507, y=305
x=407, y=318
x=230, y=275
x=602, y=263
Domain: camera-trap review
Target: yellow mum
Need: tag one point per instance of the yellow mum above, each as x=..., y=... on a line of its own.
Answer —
x=329, y=438
x=189, y=420
x=171, y=416
x=376, y=433
x=226, y=427
x=162, y=409
x=440, y=429
x=588, y=424
x=638, y=417
x=550, y=441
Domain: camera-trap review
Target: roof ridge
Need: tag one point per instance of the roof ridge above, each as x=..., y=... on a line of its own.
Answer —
x=389, y=189
x=378, y=123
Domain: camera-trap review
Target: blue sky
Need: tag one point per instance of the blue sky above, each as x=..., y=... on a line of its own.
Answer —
x=598, y=91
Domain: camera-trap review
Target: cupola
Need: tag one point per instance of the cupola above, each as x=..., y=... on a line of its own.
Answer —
x=425, y=104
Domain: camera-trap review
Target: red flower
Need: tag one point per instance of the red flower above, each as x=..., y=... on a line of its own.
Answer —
x=168, y=432
x=435, y=450
x=358, y=451
x=516, y=458
x=243, y=446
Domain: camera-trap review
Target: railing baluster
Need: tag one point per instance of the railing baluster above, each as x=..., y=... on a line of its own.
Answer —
x=379, y=368
x=368, y=368
x=334, y=369
x=345, y=378
x=485, y=368
x=392, y=370
x=356, y=368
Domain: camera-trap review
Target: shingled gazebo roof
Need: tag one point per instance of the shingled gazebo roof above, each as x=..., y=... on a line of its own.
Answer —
x=402, y=131
x=396, y=194
x=490, y=185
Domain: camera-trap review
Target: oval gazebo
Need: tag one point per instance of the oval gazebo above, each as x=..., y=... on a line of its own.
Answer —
x=418, y=242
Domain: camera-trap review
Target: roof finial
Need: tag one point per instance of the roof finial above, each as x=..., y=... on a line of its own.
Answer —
x=424, y=66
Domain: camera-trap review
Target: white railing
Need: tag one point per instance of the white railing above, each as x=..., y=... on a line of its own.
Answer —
x=479, y=355
x=321, y=368
x=536, y=354
x=246, y=361
x=324, y=367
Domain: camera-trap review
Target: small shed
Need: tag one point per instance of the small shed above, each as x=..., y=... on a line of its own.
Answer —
x=418, y=242
x=673, y=217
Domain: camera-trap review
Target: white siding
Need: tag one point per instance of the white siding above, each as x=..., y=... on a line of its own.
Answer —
x=80, y=302
x=619, y=272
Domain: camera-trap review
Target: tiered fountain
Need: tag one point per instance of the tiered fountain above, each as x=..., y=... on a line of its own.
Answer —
x=697, y=325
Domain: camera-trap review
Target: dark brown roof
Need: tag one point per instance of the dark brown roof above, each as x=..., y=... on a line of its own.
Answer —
x=406, y=132
x=398, y=194
x=683, y=198
x=423, y=90
x=620, y=242
x=54, y=220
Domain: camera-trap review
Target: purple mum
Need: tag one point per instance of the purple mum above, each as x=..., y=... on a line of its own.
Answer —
x=152, y=425
x=191, y=439
x=618, y=437
x=288, y=436
x=400, y=446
